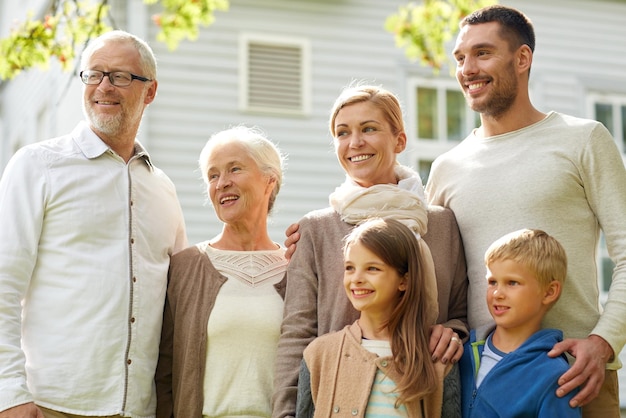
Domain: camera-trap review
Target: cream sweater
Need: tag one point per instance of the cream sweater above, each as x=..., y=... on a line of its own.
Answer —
x=563, y=175
x=242, y=333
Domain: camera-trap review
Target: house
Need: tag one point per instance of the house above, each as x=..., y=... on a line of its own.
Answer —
x=279, y=65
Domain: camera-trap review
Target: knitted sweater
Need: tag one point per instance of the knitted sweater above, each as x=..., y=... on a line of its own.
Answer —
x=563, y=175
x=316, y=303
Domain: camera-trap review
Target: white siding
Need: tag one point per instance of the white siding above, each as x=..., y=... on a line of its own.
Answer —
x=581, y=47
x=30, y=103
x=39, y=103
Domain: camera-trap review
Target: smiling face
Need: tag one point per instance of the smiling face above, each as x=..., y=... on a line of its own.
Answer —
x=372, y=286
x=238, y=189
x=115, y=113
x=515, y=299
x=486, y=69
x=365, y=144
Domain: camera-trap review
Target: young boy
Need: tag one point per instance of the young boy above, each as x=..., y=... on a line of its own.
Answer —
x=506, y=371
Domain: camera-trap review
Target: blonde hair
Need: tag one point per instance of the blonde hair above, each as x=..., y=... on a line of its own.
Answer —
x=383, y=99
x=539, y=252
x=397, y=246
x=265, y=154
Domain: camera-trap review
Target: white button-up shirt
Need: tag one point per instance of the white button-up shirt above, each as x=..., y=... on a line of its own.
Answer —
x=85, y=241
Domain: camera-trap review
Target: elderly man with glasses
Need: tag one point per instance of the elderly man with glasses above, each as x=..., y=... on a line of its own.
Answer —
x=84, y=252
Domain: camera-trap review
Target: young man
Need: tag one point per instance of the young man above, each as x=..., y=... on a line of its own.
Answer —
x=526, y=270
x=88, y=225
x=523, y=168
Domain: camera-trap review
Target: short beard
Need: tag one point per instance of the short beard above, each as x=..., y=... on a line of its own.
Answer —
x=502, y=99
x=109, y=126
x=496, y=106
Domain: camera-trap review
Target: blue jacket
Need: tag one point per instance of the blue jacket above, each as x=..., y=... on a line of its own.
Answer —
x=522, y=384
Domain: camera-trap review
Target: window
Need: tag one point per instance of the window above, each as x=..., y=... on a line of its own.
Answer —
x=423, y=169
x=274, y=74
x=437, y=119
x=610, y=109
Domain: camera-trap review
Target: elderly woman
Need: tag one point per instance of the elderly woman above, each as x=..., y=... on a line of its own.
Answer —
x=224, y=300
x=368, y=130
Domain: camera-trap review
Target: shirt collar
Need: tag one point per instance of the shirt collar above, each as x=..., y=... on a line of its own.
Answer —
x=92, y=146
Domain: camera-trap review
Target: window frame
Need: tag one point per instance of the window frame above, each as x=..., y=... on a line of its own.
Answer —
x=617, y=102
x=424, y=150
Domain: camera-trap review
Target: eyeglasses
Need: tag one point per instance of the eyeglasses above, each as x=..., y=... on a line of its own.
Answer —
x=117, y=78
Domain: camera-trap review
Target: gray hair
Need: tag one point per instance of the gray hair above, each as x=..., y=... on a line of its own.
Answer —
x=146, y=56
x=265, y=154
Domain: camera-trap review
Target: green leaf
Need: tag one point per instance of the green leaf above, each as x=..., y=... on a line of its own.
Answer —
x=422, y=30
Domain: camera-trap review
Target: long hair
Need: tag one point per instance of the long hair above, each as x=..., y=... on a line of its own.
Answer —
x=398, y=247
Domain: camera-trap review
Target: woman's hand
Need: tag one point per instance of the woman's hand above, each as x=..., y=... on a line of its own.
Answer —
x=445, y=344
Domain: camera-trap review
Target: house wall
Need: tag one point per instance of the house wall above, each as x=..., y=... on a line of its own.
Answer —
x=580, y=48
x=31, y=103
x=42, y=102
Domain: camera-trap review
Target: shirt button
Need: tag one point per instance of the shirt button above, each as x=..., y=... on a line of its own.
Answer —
x=355, y=412
x=132, y=320
x=383, y=363
x=132, y=240
x=336, y=409
x=129, y=361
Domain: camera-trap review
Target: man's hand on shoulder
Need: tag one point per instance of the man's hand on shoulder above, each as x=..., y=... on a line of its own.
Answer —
x=587, y=372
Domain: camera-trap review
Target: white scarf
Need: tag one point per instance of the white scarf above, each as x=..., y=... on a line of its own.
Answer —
x=404, y=201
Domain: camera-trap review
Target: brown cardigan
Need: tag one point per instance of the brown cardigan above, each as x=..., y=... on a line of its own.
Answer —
x=342, y=373
x=192, y=289
x=315, y=301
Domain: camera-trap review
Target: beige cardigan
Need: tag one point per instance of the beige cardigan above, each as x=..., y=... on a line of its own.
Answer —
x=342, y=373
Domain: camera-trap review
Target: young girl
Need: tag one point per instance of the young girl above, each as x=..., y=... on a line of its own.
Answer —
x=381, y=364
